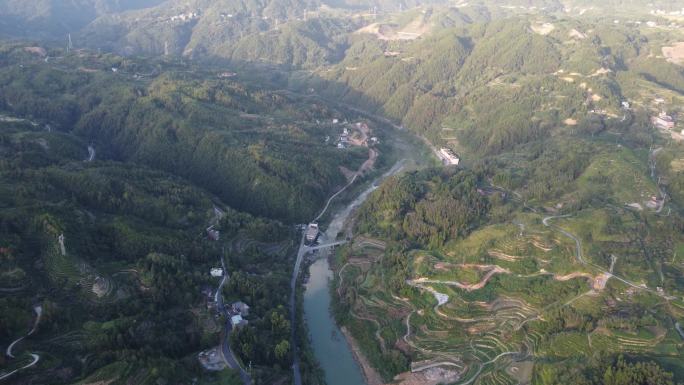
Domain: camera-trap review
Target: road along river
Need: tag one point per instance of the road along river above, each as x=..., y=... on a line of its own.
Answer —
x=330, y=347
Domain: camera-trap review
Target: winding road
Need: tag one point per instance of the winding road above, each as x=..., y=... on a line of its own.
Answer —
x=39, y=312
x=578, y=242
x=91, y=154
x=228, y=355
x=580, y=258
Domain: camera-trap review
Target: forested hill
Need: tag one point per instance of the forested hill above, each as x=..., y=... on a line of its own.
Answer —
x=259, y=151
x=492, y=86
x=532, y=66
x=122, y=296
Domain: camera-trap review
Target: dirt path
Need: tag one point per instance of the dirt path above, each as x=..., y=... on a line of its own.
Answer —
x=494, y=269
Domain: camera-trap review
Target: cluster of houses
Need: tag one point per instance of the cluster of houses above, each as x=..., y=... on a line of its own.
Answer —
x=362, y=139
x=660, y=12
x=185, y=16
x=663, y=121
x=654, y=203
x=344, y=139
x=237, y=313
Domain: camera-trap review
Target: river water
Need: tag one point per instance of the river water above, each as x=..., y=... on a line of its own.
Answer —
x=330, y=347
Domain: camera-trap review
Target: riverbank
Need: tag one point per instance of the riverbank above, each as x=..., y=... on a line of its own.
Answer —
x=371, y=376
x=331, y=350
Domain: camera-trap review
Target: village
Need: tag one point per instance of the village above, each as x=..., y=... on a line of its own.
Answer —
x=667, y=124
x=353, y=135
x=234, y=315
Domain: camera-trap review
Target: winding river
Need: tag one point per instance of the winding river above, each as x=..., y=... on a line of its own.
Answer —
x=330, y=347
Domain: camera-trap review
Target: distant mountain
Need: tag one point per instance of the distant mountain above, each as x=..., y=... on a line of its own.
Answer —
x=48, y=18
x=179, y=27
x=275, y=31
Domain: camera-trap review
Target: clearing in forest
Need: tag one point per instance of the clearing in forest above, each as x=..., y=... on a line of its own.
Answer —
x=675, y=53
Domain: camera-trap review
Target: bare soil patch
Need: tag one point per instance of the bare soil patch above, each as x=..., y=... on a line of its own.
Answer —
x=675, y=54
x=542, y=29
x=521, y=371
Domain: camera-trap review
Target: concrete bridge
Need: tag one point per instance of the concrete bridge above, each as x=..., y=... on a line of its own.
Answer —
x=323, y=246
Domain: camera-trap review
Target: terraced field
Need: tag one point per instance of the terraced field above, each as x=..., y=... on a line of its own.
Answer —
x=69, y=270
x=476, y=313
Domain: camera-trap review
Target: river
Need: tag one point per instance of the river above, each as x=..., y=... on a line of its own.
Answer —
x=328, y=342
x=329, y=345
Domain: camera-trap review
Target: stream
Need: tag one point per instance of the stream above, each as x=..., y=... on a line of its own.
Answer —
x=329, y=345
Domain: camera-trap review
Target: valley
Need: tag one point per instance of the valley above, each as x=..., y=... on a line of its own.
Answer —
x=341, y=192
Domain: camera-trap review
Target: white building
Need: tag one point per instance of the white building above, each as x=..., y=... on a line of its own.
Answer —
x=311, y=233
x=216, y=272
x=448, y=157
x=237, y=321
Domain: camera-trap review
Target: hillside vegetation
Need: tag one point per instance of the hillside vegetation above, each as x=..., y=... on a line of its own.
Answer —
x=124, y=298
x=260, y=151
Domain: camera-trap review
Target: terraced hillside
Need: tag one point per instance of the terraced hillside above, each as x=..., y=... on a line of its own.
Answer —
x=548, y=270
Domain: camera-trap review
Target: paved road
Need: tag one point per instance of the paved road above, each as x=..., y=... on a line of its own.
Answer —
x=91, y=153
x=293, y=286
x=301, y=252
x=35, y=361
x=39, y=312
x=327, y=204
x=303, y=249
x=228, y=355
x=578, y=242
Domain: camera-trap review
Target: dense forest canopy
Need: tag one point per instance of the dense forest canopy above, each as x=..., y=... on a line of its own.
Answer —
x=259, y=151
